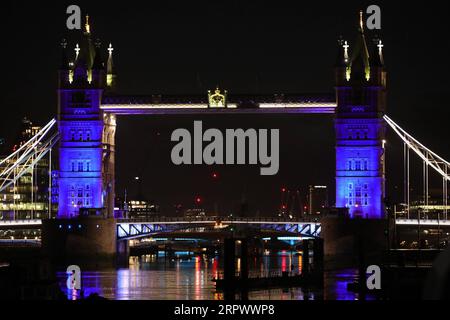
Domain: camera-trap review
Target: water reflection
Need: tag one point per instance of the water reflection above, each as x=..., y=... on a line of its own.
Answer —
x=155, y=277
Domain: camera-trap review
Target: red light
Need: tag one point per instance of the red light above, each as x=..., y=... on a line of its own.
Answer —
x=283, y=189
x=215, y=175
x=198, y=199
x=283, y=206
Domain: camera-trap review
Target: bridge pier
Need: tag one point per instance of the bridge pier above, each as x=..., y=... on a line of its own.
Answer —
x=81, y=241
x=350, y=242
x=123, y=253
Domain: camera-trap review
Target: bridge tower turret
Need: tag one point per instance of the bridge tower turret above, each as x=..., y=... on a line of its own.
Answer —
x=360, y=129
x=84, y=150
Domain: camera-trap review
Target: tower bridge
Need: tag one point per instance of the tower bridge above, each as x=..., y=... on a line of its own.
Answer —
x=89, y=107
x=89, y=110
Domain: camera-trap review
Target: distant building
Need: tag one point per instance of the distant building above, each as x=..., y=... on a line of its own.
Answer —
x=195, y=213
x=317, y=200
x=21, y=200
x=137, y=208
x=27, y=131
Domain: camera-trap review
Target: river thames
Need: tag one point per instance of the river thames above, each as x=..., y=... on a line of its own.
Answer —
x=154, y=277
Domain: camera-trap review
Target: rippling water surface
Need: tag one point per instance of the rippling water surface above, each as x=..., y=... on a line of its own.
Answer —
x=151, y=277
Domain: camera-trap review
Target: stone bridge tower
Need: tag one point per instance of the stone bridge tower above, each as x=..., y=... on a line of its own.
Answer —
x=86, y=150
x=360, y=128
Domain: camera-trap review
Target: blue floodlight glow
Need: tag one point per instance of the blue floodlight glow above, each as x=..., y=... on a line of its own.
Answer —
x=80, y=152
x=359, y=167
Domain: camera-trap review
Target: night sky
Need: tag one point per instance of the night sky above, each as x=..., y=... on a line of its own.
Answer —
x=246, y=47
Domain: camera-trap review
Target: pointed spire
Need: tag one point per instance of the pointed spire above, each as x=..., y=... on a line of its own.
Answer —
x=87, y=27
x=342, y=56
x=359, y=64
x=345, y=46
x=376, y=56
x=380, y=46
x=110, y=75
x=77, y=51
x=110, y=50
x=85, y=49
x=110, y=63
x=361, y=21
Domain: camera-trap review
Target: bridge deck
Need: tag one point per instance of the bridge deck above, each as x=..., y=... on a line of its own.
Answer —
x=238, y=104
x=213, y=220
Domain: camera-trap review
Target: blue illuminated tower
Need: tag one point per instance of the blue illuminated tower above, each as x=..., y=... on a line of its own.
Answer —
x=86, y=151
x=360, y=129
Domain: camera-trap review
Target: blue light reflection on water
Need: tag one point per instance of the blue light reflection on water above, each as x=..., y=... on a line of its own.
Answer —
x=190, y=278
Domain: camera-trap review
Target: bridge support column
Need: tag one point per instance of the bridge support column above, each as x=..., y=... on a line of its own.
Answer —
x=81, y=241
x=312, y=260
x=348, y=241
x=123, y=253
x=231, y=282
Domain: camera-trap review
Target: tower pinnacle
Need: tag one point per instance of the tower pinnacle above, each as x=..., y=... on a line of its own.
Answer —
x=87, y=26
x=110, y=75
x=361, y=20
x=77, y=51
x=110, y=49
x=359, y=64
